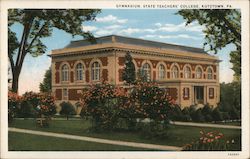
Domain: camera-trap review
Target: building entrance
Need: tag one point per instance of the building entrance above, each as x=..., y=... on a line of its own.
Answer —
x=199, y=94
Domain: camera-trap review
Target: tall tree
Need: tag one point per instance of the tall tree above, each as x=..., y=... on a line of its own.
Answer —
x=129, y=70
x=221, y=27
x=45, y=86
x=38, y=24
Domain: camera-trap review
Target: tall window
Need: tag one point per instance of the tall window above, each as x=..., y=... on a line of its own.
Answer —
x=96, y=71
x=65, y=93
x=198, y=73
x=187, y=72
x=186, y=93
x=65, y=73
x=161, y=71
x=146, y=70
x=211, y=93
x=79, y=72
x=209, y=73
x=175, y=72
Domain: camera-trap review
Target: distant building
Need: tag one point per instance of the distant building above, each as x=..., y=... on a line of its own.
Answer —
x=190, y=75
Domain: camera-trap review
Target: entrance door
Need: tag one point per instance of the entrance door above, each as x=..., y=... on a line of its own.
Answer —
x=199, y=94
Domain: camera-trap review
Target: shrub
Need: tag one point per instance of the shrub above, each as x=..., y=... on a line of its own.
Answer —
x=47, y=105
x=208, y=141
x=67, y=109
x=176, y=113
x=197, y=116
x=100, y=104
x=32, y=98
x=186, y=114
x=217, y=115
x=234, y=114
x=26, y=110
x=14, y=102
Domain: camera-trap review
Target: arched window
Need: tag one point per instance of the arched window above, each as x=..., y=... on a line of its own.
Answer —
x=146, y=70
x=96, y=71
x=209, y=73
x=79, y=72
x=65, y=73
x=175, y=72
x=187, y=72
x=198, y=73
x=161, y=71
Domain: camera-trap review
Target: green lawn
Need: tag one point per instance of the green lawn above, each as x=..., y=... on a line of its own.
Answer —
x=178, y=135
x=24, y=142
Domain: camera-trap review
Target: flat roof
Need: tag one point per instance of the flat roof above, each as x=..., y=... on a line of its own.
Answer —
x=134, y=41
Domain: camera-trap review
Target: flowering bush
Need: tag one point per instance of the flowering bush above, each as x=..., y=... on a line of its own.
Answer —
x=30, y=104
x=99, y=102
x=14, y=102
x=46, y=105
x=107, y=104
x=209, y=141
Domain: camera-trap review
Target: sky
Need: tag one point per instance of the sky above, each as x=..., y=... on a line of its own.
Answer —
x=161, y=25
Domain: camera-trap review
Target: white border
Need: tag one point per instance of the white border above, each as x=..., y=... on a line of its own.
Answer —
x=5, y=4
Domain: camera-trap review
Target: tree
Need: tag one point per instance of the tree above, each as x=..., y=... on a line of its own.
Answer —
x=129, y=70
x=38, y=24
x=45, y=86
x=221, y=27
x=67, y=109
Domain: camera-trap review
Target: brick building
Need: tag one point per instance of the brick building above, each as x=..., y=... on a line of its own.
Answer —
x=190, y=75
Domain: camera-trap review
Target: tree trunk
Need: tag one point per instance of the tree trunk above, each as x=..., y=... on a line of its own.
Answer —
x=15, y=81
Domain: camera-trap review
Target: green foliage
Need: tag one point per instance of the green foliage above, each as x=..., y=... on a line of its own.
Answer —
x=216, y=114
x=45, y=86
x=112, y=107
x=221, y=27
x=26, y=110
x=14, y=102
x=231, y=99
x=210, y=141
x=67, y=109
x=38, y=24
x=129, y=70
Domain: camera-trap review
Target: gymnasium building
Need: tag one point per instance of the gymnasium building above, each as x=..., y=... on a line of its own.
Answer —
x=190, y=75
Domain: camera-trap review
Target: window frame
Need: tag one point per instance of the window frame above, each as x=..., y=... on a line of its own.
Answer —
x=147, y=71
x=65, y=73
x=198, y=73
x=161, y=72
x=174, y=72
x=95, y=71
x=80, y=72
x=187, y=73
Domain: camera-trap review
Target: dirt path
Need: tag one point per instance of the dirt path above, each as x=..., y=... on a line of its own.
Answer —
x=97, y=140
x=205, y=125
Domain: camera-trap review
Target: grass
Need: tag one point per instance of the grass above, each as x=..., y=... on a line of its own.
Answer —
x=44, y=143
x=178, y=135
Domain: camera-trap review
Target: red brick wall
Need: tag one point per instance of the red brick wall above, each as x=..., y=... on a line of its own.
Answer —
x=121, y=61
x=73, y=95
x=87, y=61
x=154, y=75
x=105, y=74
x=71, y=76
x=57, y=77
x=71, y=63
x=120, y=71
x=138, y=62
x=58, y=94
x=154, y=63
x=87, y=75
x=172, y=92
x=104, y=61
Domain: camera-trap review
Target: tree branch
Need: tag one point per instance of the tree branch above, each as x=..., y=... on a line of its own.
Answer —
x=33, y=40
x=11, y=63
